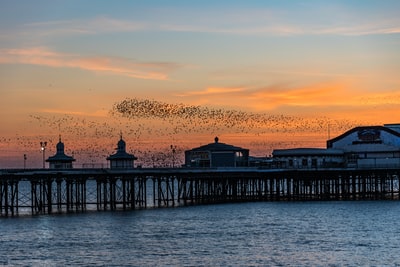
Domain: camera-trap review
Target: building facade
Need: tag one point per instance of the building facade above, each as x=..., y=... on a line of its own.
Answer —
x=371, y=146
x=360, y=147
x=217, y=155
x=303, y=158
x=60, y=160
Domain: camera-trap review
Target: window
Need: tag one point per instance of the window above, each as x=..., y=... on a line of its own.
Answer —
x=304, y=162
x=314, y=163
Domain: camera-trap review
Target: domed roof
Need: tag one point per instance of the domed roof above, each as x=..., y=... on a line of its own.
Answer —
x=217, y=146
x=60, y=155
x=121, y=146
x=121, y=153
x=60, y=147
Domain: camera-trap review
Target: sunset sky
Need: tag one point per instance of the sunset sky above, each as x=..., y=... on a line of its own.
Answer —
x=321, y=66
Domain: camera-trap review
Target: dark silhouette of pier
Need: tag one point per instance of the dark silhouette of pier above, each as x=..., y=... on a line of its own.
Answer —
x=48, y=191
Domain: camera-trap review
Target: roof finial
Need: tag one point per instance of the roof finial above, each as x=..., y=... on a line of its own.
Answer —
x=120, y=135
x=216, y=139
x=59, y=138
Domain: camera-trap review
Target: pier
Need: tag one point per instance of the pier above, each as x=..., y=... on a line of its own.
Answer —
x=49, y=191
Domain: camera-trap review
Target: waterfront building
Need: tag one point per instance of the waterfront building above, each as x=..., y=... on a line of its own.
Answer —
x=60, y=160
x=360, y=147
x=369, y=146
x=121, y=159
x=309, y=157
x=263, y=162
x=217, y=155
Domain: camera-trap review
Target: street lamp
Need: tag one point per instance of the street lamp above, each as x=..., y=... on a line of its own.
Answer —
x=43, y=148
x=173, y=148
x=25, y=161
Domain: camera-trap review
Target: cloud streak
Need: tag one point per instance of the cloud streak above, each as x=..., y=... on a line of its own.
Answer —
x=215, y=91
x=100, y=64
x=244, y=21
x=96, y=25
x=321, y=96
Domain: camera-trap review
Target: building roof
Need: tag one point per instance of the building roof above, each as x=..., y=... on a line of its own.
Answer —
x=121, y=153
x=306, y=152
x=393, y=126
x=60, y=155
x=330, y=142
x=217, y=146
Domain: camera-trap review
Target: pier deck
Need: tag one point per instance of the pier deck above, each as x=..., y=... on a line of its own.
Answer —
x=47, y=191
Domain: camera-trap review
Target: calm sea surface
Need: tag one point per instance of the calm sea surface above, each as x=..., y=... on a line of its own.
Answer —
x=363, y=233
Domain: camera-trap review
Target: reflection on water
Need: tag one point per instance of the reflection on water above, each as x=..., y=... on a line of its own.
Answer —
x=249, y=234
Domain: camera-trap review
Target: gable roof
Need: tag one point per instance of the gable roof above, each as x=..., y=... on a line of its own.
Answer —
x=217, y=146
x=330, y=142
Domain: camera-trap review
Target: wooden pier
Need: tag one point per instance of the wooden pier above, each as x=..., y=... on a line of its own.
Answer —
x=48, y=191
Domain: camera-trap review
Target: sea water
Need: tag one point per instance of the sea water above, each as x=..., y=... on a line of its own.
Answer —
x=343, y=233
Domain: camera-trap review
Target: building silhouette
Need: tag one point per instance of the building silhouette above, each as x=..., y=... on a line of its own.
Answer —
x=217, y=155
x=60, y=160
x=121, y=159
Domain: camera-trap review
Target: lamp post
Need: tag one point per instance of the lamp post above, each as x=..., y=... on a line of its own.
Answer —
x=25, y=161
x=173, y=148
x=43, y=148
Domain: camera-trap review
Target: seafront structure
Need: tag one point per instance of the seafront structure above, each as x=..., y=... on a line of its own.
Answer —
x=217, y=154
x=360, y=147
x=300, y=158
x=47, y=191
x=60, y=160
x=121, y=159
x=361, y=164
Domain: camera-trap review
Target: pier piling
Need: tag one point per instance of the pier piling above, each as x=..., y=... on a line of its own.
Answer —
x=81, y=189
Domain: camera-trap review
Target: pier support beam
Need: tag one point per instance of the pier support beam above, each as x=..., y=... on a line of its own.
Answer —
x=8, y=197
x=41, y=195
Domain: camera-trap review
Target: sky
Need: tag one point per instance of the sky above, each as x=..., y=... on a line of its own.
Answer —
x=262, y=75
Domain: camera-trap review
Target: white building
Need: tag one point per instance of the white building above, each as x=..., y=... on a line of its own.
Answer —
x=360, y=147
x=370, y=146
x=303, y=158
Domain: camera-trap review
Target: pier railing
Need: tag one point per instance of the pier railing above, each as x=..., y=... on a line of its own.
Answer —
x=47, y=191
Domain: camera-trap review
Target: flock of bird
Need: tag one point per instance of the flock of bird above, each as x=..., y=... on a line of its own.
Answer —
x=150, y=127
x=199, y=119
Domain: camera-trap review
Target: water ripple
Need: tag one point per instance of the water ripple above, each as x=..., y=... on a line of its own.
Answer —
x=249, y=234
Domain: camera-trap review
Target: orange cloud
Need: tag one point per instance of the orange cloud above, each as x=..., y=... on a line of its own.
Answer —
x=274, y=96
x=215, y=91
x=337, y=100
x=97, y=113
x=112, y=65
x=340, y=98
x=336, y=93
